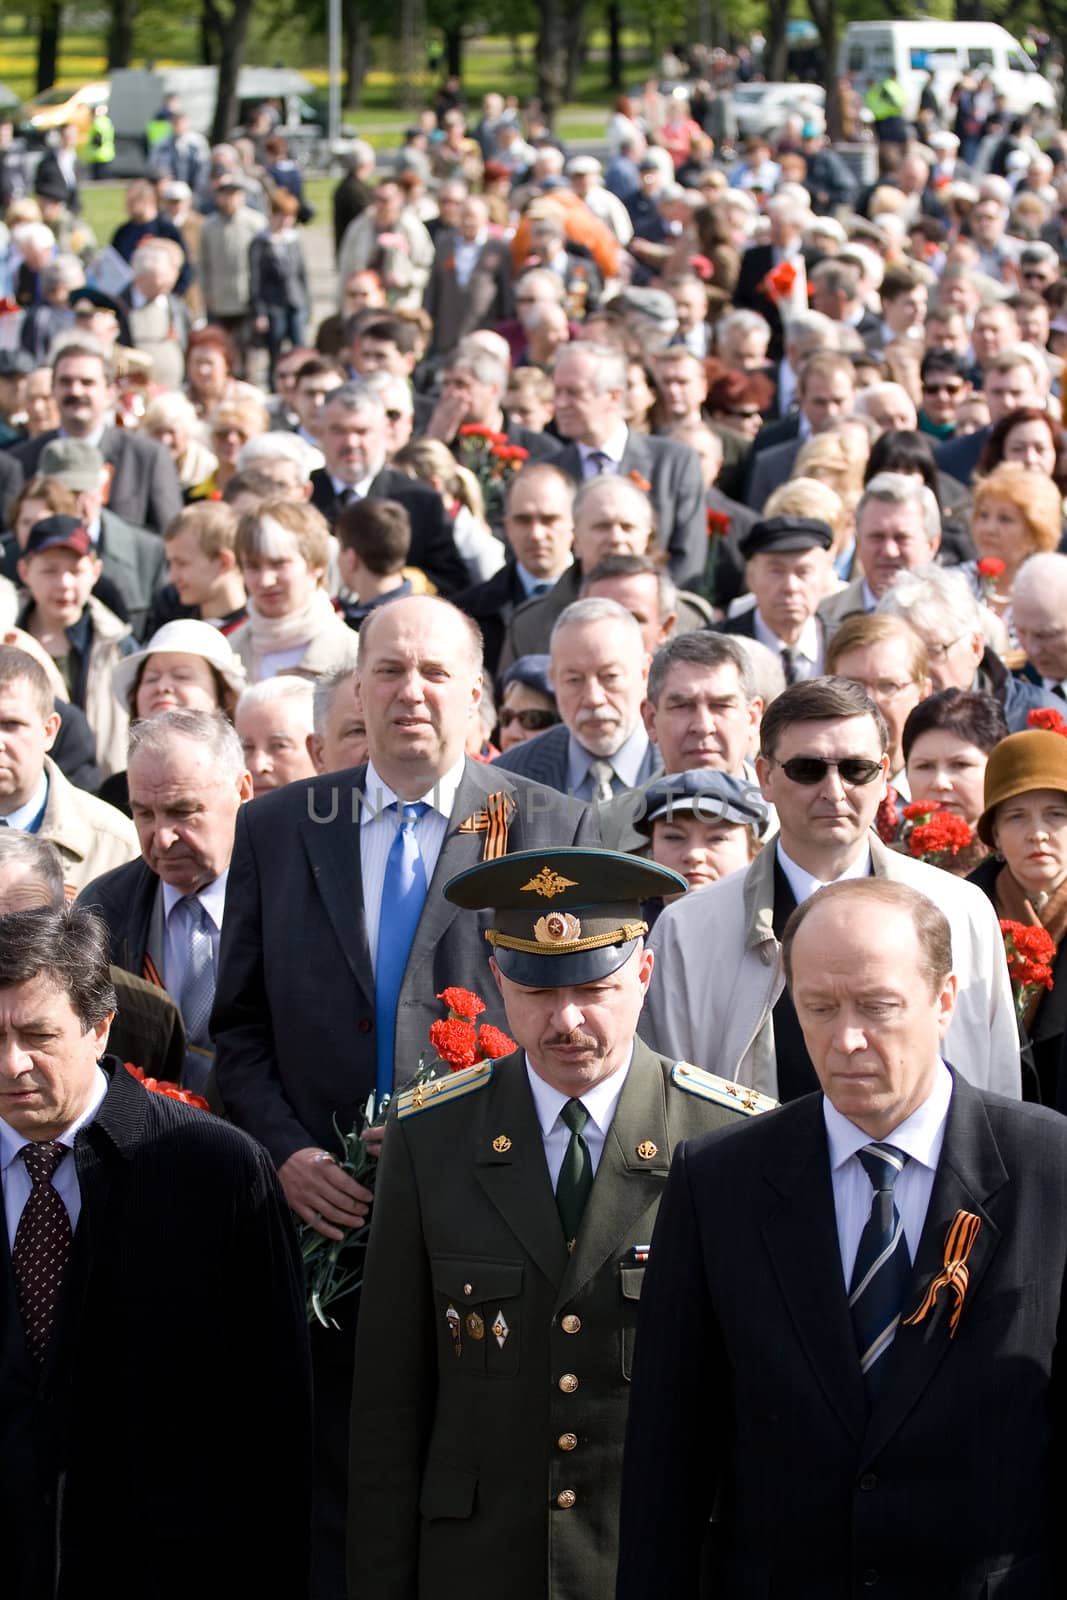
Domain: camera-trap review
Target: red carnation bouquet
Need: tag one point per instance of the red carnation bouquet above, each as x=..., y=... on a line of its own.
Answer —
x=1048, y=719
x=1030, y=952
x=933, y=834
x=493, y=459
x=173, y=1091
x=779, y=283
x=333, y=1268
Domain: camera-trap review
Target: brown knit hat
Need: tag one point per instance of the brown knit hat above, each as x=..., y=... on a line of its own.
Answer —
x=1036, y=759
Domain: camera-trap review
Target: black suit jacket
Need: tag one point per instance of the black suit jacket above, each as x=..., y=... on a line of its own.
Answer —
x=294, y=1005
x=492, y=604
x=125, y=898
x=755, y=265
x=144, y=485
x=11, y=481
x=433, y=548
x=183, y=1246
x=677, y=496
x=747, y=1394
x=959, y=457
x=726, y=561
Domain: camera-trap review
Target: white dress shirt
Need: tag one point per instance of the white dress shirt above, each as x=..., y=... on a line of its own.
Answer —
x=24, y=816
x=614, y=447
x=16, y=1178
x=465, y=257
x=919, y=1136
x=600, y=1102
x=807, y=652
x=175, y=953
x=804, y=884
x=377, y=830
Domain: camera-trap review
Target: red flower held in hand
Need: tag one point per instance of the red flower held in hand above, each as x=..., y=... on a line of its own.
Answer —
x=718, y=524
x=702, y=267
x=779, y=282
x=991, y=567
x=1030, y=952
x=462, y=1002
x=494, y=1043
x=1045, y=717
x=455, y=1042
x=944, y=834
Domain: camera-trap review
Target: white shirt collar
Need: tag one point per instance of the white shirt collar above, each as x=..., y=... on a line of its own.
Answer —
x=919, y=1136
x=442, y=796
x=95, y=438
x=807, y=645
x=600, y=1101
x=33, y=807
x=614, y=446
x=11, y=1142
x=804, y=884
x=361, y=486
x=212, y=897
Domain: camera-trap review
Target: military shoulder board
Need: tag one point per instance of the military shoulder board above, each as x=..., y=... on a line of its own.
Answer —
x=439, y=1091
x=694, y=1080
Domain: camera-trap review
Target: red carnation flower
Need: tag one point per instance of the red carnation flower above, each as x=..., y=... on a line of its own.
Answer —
x=494, y=1043
x=944, y=834
x=173, y=1091
x=455, y=1042
x=991, y=567
x=1048, y=719
x=918, y=809
x=474, y=430
x=462, y=1002
x=718, y=524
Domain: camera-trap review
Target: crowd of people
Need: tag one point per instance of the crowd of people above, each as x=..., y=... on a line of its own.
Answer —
x=636, y=611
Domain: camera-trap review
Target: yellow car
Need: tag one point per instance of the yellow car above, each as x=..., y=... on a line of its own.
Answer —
x=56, y=107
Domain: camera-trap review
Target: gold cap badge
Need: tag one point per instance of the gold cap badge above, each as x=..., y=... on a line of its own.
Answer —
x=558, y=927
x=548, y=883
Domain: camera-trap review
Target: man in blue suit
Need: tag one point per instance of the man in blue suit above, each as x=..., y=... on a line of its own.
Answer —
x=599, y=671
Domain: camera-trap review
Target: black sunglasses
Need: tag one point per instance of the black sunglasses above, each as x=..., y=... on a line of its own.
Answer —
x=532, y=721
x=853, y=770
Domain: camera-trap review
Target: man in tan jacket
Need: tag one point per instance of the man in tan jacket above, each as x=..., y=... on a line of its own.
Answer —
x=90, y=835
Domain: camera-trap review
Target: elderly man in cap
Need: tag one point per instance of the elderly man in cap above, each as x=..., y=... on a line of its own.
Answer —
x=133, y=560
x=787, y=570
x=586, y=177
x=516, y=1204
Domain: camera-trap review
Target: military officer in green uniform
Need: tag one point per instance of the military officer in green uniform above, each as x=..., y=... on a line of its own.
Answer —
x=515, y=1205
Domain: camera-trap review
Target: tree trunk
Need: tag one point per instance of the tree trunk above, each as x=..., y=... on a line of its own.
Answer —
x=615, y=79
x=454, y=51
x=356, y=47
x=232, y=40
x=551, y=59
x=120, y=34
x=49, y=31
x=574, y=47
x=210, y=28
x=774, y=51
x=824, y=16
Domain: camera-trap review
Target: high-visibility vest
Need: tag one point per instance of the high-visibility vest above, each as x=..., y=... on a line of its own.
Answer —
x=102, y=139
x=159, y=128
x=885, y=99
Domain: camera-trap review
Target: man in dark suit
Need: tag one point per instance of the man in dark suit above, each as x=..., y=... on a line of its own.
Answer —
x=113, y=1256
x=352, y=435
x=316, y=857
x=539, y=524
x=590, y=384
x=1014, y=379
x=826, y=389
x=883, y=1315
x=787, y=222
x=515, y=1213
x=144, y=483
x=599, y=672
x=56, y=176
x=470, y=280
x=787, y=567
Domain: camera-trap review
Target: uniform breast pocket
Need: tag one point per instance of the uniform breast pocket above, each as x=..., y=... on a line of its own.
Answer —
x=478, y=1306
x=630, y=1281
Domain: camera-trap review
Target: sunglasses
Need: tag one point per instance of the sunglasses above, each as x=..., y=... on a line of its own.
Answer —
x=808, y=770
x=531, y=721
x=942, y=388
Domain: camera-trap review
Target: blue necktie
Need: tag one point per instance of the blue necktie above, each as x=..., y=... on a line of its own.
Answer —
x=403, y=897
x=883, y=1266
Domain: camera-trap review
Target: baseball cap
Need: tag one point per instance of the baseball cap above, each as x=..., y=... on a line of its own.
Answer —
x=59, y=533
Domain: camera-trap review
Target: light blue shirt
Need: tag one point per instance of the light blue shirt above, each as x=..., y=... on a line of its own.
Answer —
x=377, y=830
x=919, y=1136
x=16, y=1178
x=629, y=764
x=213, y=898
x=28, y=817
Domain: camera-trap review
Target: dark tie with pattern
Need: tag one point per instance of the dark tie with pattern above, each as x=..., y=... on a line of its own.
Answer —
x=789, y=664
x=576, y=1174
x=600, y=462
x=883, y=1266
x=42, y=1247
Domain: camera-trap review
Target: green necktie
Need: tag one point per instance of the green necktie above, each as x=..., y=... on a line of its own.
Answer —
x=576, y=1174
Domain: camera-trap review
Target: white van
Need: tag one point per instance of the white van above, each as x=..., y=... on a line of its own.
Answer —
x=872, y=51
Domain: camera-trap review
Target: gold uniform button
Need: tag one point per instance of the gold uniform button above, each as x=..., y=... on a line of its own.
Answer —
x=568, y=1441
x=568, y=1383
x=565, y=1499
x=571, y=1324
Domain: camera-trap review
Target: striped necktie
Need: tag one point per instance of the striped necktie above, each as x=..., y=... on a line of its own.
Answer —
x=883, y=1266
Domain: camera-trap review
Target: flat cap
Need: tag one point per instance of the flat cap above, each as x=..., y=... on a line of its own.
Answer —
x=782, y=535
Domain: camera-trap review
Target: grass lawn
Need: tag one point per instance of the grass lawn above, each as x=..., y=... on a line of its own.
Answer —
x=103, y=207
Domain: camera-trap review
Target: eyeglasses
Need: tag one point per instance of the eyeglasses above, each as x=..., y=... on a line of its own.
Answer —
x=531, y=721
x=940, y=652
x=853, y=770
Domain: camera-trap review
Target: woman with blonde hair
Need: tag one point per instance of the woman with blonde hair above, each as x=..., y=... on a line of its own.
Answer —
x=431, y=462
x=231, y=425
x=836, y=459
x=171, y=419
x=810, y=497
x=1017, y=513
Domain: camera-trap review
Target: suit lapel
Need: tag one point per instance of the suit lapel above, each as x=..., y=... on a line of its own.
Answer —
x=333, y=852
x=969, y=1173
x=514, y=1175
x=626, y=1184
x=801, y=1238
x=637, y=457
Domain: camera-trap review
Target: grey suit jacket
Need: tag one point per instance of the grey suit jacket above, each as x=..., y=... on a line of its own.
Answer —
x=135, y=561
x=677, y=496
x=293, y=1022
x=486, y=300
x=144, y=484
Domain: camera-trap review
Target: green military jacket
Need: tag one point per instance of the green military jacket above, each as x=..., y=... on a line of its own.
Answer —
x=492, y=1366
